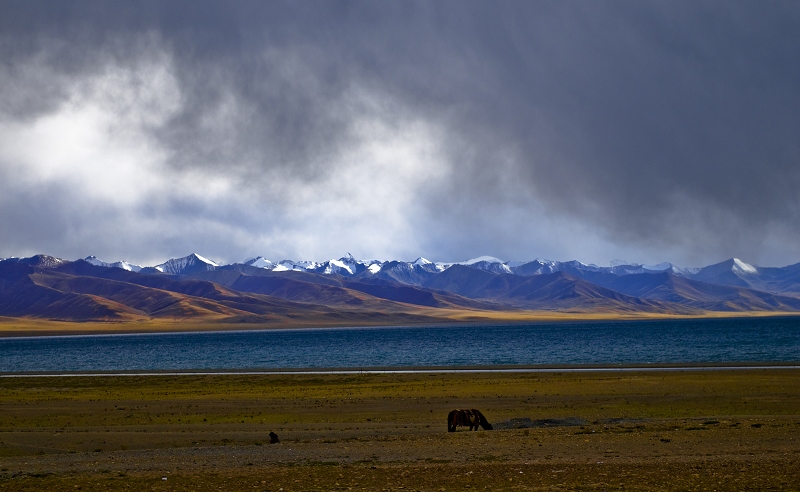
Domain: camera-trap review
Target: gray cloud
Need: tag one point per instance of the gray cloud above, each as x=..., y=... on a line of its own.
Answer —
x=646, y=130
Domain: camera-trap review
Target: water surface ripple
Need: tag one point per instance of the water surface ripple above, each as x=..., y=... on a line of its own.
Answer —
x=607, y=342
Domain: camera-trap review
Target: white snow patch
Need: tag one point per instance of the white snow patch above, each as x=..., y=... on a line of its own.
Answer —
x=335, y=266
x=127, y=266
x=117, y=264
x=305, y=265
x=206, y=260
x=743, y=267
x=487, y=259
x=260, y=262
x=94, y=261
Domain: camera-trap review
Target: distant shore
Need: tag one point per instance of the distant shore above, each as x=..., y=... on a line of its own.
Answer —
x=29, y=327
x=345, y=371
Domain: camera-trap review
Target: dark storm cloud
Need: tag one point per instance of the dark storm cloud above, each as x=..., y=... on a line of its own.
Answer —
x=666, y=123
x=666, y=129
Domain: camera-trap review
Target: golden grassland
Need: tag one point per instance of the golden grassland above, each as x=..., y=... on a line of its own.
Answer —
x=682, y=430
x=416, y=316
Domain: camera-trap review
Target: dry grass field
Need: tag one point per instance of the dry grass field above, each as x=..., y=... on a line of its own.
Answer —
x=687, y=430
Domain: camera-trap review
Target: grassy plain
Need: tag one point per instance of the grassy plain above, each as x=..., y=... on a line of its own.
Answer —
x=704, y=430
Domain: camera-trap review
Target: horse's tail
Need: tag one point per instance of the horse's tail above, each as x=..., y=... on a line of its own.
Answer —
x=452, y=421
x=484, y=423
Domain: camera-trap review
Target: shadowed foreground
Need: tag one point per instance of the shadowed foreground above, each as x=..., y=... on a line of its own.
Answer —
x=724, y=430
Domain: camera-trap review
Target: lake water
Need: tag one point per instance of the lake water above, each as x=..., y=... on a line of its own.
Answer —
x=608, y=342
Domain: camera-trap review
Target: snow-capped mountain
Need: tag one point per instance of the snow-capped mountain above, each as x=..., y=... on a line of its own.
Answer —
x=260, y=262
x=489, y=264
x=541, y=267
x=193, y=263
x=429, y=265
x=731, y=285
x=117, y=264
x=294, y=266
x=536, y=267
x=54, y=288
x=39, y=261
x=409, y=273
x=732, y=267
x=732, y=272
x=346, y=266
x=635, y=268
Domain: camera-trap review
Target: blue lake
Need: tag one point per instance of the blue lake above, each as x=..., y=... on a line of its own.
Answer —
x=607, y=342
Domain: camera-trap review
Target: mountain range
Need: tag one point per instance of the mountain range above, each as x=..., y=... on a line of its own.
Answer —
x=351, y=291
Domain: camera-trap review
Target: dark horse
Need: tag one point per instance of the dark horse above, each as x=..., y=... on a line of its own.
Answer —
x=467, y=418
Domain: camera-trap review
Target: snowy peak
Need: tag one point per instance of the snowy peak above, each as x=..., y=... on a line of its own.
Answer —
x=486, y=263
x=204, y=260
x=41, y=261
x=341, y=267
x=349, y=266
x=193, y=263
x=729, y=272
x=38, y=261
x=574, y=267
x=409, y=273
x=117, y=264
x=482, y=259
x=731, y=265
x=661, y=267
x=260, y=262
x=634, y=269
x=94, y=261
x=537, y=267
x=295, y=266
x=740, y=266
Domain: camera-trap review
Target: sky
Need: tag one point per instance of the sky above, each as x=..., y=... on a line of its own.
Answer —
x=641, y=131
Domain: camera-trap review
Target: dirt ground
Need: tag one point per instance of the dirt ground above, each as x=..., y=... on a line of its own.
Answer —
x=686, y=430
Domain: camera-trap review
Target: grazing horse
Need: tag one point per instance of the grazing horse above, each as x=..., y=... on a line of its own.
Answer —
x=467, y=418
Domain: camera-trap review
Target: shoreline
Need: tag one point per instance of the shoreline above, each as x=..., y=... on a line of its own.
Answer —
x=27, y=327
x=573, y=368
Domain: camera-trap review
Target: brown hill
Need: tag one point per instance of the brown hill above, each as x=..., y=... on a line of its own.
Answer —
x=80, y=291
x=334, y=289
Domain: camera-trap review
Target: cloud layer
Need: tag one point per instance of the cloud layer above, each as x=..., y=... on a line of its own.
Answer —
x=647, y=131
